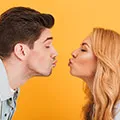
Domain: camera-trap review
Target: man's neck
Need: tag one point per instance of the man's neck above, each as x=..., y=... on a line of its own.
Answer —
x=16, y=73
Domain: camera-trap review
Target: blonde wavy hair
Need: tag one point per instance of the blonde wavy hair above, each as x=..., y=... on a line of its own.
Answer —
x=106, y=83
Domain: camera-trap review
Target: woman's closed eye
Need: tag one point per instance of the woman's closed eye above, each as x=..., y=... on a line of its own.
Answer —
x=83, y=50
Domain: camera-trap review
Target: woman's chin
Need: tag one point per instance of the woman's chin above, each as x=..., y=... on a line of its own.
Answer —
x=72, y=73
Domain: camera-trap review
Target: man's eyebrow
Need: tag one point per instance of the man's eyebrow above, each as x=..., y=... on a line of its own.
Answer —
x=85, y=44
x=49, y=38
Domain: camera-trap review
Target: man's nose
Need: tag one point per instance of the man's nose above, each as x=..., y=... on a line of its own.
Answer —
x=54, y=54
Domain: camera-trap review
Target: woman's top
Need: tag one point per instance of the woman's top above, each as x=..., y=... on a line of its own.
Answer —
x=116, y=111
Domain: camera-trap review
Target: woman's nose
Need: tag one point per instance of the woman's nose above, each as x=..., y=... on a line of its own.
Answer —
x=74, y=53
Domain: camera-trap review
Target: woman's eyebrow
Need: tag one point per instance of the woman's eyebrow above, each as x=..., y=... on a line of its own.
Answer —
x=85, y=44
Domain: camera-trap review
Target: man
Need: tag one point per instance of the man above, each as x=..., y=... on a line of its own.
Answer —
x=26, y=50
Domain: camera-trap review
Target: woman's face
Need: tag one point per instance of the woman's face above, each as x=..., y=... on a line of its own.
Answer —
x=83, y=62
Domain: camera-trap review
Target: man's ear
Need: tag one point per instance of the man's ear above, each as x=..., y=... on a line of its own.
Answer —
x=21, y=51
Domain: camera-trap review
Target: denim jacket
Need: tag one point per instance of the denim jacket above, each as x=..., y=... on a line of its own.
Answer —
x=7, y=96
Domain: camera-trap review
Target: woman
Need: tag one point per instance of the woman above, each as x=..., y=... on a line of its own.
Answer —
x=97, y=62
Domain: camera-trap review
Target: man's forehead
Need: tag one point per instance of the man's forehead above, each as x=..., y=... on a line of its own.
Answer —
x=46, y=31
x=46, y=35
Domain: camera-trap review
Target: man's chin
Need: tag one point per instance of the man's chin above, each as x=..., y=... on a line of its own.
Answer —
x=48, y=73
x=45, y=74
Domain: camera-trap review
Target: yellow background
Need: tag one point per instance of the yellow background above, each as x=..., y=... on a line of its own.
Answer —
x=60, y=96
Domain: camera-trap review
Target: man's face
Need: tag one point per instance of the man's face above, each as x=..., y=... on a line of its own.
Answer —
x=41, y=58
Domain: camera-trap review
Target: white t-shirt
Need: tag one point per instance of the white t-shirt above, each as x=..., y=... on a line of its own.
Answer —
x=117, y=111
